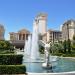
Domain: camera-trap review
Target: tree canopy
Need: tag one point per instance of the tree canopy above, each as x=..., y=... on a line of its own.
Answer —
x=6, y=45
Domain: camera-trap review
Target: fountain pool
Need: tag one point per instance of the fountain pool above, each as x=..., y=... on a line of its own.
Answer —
x=61, y=65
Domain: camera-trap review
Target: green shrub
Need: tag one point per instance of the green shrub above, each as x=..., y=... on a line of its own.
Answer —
x=41, y=49
x=12, y=69
x=6, y=45
x=10, y=59
x=73, y=47
x=6, y=52
x=58, y=54
x=68, y=55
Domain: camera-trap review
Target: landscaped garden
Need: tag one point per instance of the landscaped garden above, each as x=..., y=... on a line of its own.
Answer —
x=10, y=63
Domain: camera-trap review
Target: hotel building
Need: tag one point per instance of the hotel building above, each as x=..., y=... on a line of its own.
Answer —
x=2, y=32
x=42, y=23
x=18, y=39
x=68, y=30
x=52, y=36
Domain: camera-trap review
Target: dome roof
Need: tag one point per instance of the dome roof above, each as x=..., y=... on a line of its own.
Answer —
x=24, y=31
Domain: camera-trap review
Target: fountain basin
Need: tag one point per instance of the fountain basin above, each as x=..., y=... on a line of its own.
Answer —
x=63, y=65
x=62, y=73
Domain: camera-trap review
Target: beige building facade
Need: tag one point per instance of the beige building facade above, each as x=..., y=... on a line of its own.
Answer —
x=20, y=35
x=52, y=36
x=42, y=23
x=68, y=30
x=2, y=32
x=18, y=38
x=44, y=34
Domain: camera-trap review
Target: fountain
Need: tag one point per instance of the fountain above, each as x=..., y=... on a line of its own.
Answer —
x=32, y=50
x=27, y=48
x=35, y=39
x=32, y=47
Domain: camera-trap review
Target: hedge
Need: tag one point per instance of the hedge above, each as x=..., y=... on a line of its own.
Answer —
x=6, y=52
x=10, y=59
x=12, y=69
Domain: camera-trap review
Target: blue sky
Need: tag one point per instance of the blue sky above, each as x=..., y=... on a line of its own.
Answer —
x=18, y=14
